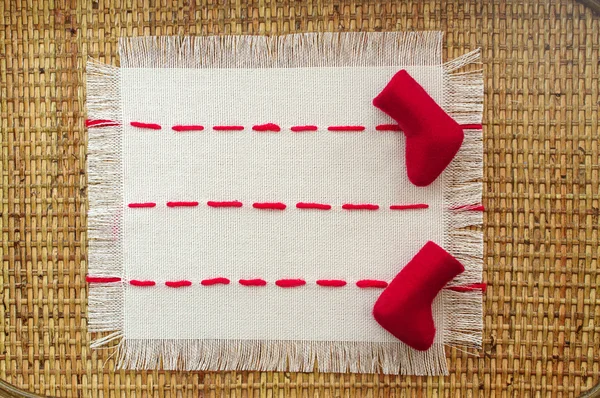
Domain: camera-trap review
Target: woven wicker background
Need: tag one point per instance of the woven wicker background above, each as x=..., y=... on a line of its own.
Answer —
x=542, y=308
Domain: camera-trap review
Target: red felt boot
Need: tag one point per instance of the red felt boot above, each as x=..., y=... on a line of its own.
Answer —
x=404, y=307
x=432, y=136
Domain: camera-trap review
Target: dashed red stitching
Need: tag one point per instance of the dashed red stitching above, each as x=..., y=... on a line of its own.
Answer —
x=346, y=128
x=191, y=127
x=101, y=123
x=152, y=126
x=298, y=129
x=102, y=279
x=137, y=205
x=135, y=282
x=253, y=282
x=388, y=127
x=269, y=205
x=182, y=204
x=232, y=203
x=409, y=207
x=320, y=206
x=178, y=283
x=366, y=206
x=266, y=127
x=225, y=128
x=469, y=288
x=364, y=283
x=290, y=282
x=215, y=281
x=331, y=282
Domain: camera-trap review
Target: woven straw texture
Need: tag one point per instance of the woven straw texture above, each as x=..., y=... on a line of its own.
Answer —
x=541, y=191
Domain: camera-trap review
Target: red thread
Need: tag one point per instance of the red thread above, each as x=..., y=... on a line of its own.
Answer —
x=320, y=206
x=478, y=208
x=100, y=123
x=182, y=204
x=269, y=205
x=290, y=282
x=346, y=128
x=331, y=282
x=191, y=127
x=364, y=283
x=152, y=126
x=266, y=127
x=350, y=206
x=471, y=126
x=233, y=203
x=474, y=207
x=178, y=283
x=224, y=128
x=388, y=127
x=215, y=281
x=102, y=279
x=304, y=128
x=253, y=282
x=409, y=207
x=469, y=288
x=136, y=282
x=136, y=205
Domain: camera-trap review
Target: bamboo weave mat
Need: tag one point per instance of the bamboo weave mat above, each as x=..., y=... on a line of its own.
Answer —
x=541, y=192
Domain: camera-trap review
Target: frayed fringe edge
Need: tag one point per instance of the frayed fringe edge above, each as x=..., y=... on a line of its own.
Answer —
x=293, y=356
x=463, y=100
x=287, y=51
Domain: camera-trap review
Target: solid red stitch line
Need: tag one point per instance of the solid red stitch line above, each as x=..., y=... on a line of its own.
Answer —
x=135, y=282
x=409, y=207
x=215, y=281
x=233, y=203
x=473, y=207
x=320, y=206
x=304, y=128
x=101, y=123
x=182, y=204
x=290, y=282
x=469, y=288
x=331, y=282
x=152, y=126
x=387, y=127
x=471, y=126
x=102, y=279
x=364, y=283
x=253, y=282
x=223, y=128
x=191, y=127
x=136, y=205
x=178, y=283
x=269, y=205
x=367, y=206
x=266, y=127
x=346, y=128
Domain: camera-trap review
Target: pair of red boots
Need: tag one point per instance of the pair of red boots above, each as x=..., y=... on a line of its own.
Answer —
x=432, y=140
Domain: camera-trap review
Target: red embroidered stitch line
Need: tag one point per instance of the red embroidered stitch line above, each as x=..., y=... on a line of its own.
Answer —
x=365, y=283
x=253, y=282
x=101, y=123
x=472, y=126
x=152, y=126
x=475, y=207
x=182, y=204
x=233, y=203
x=469, y=288
x=304, y=128
x=178, y=283
x=320, y=206
x=135, y=282
x=409, y=207
x=331, y=282
x=225, y=128
x=387, y=127
x=136, y=205
x=266, y=127
x=290, y=282
x=346, y=128
x=367, y=206
x=102, y=279
x=269, y=205
x=191, y=127
x=215, y=281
